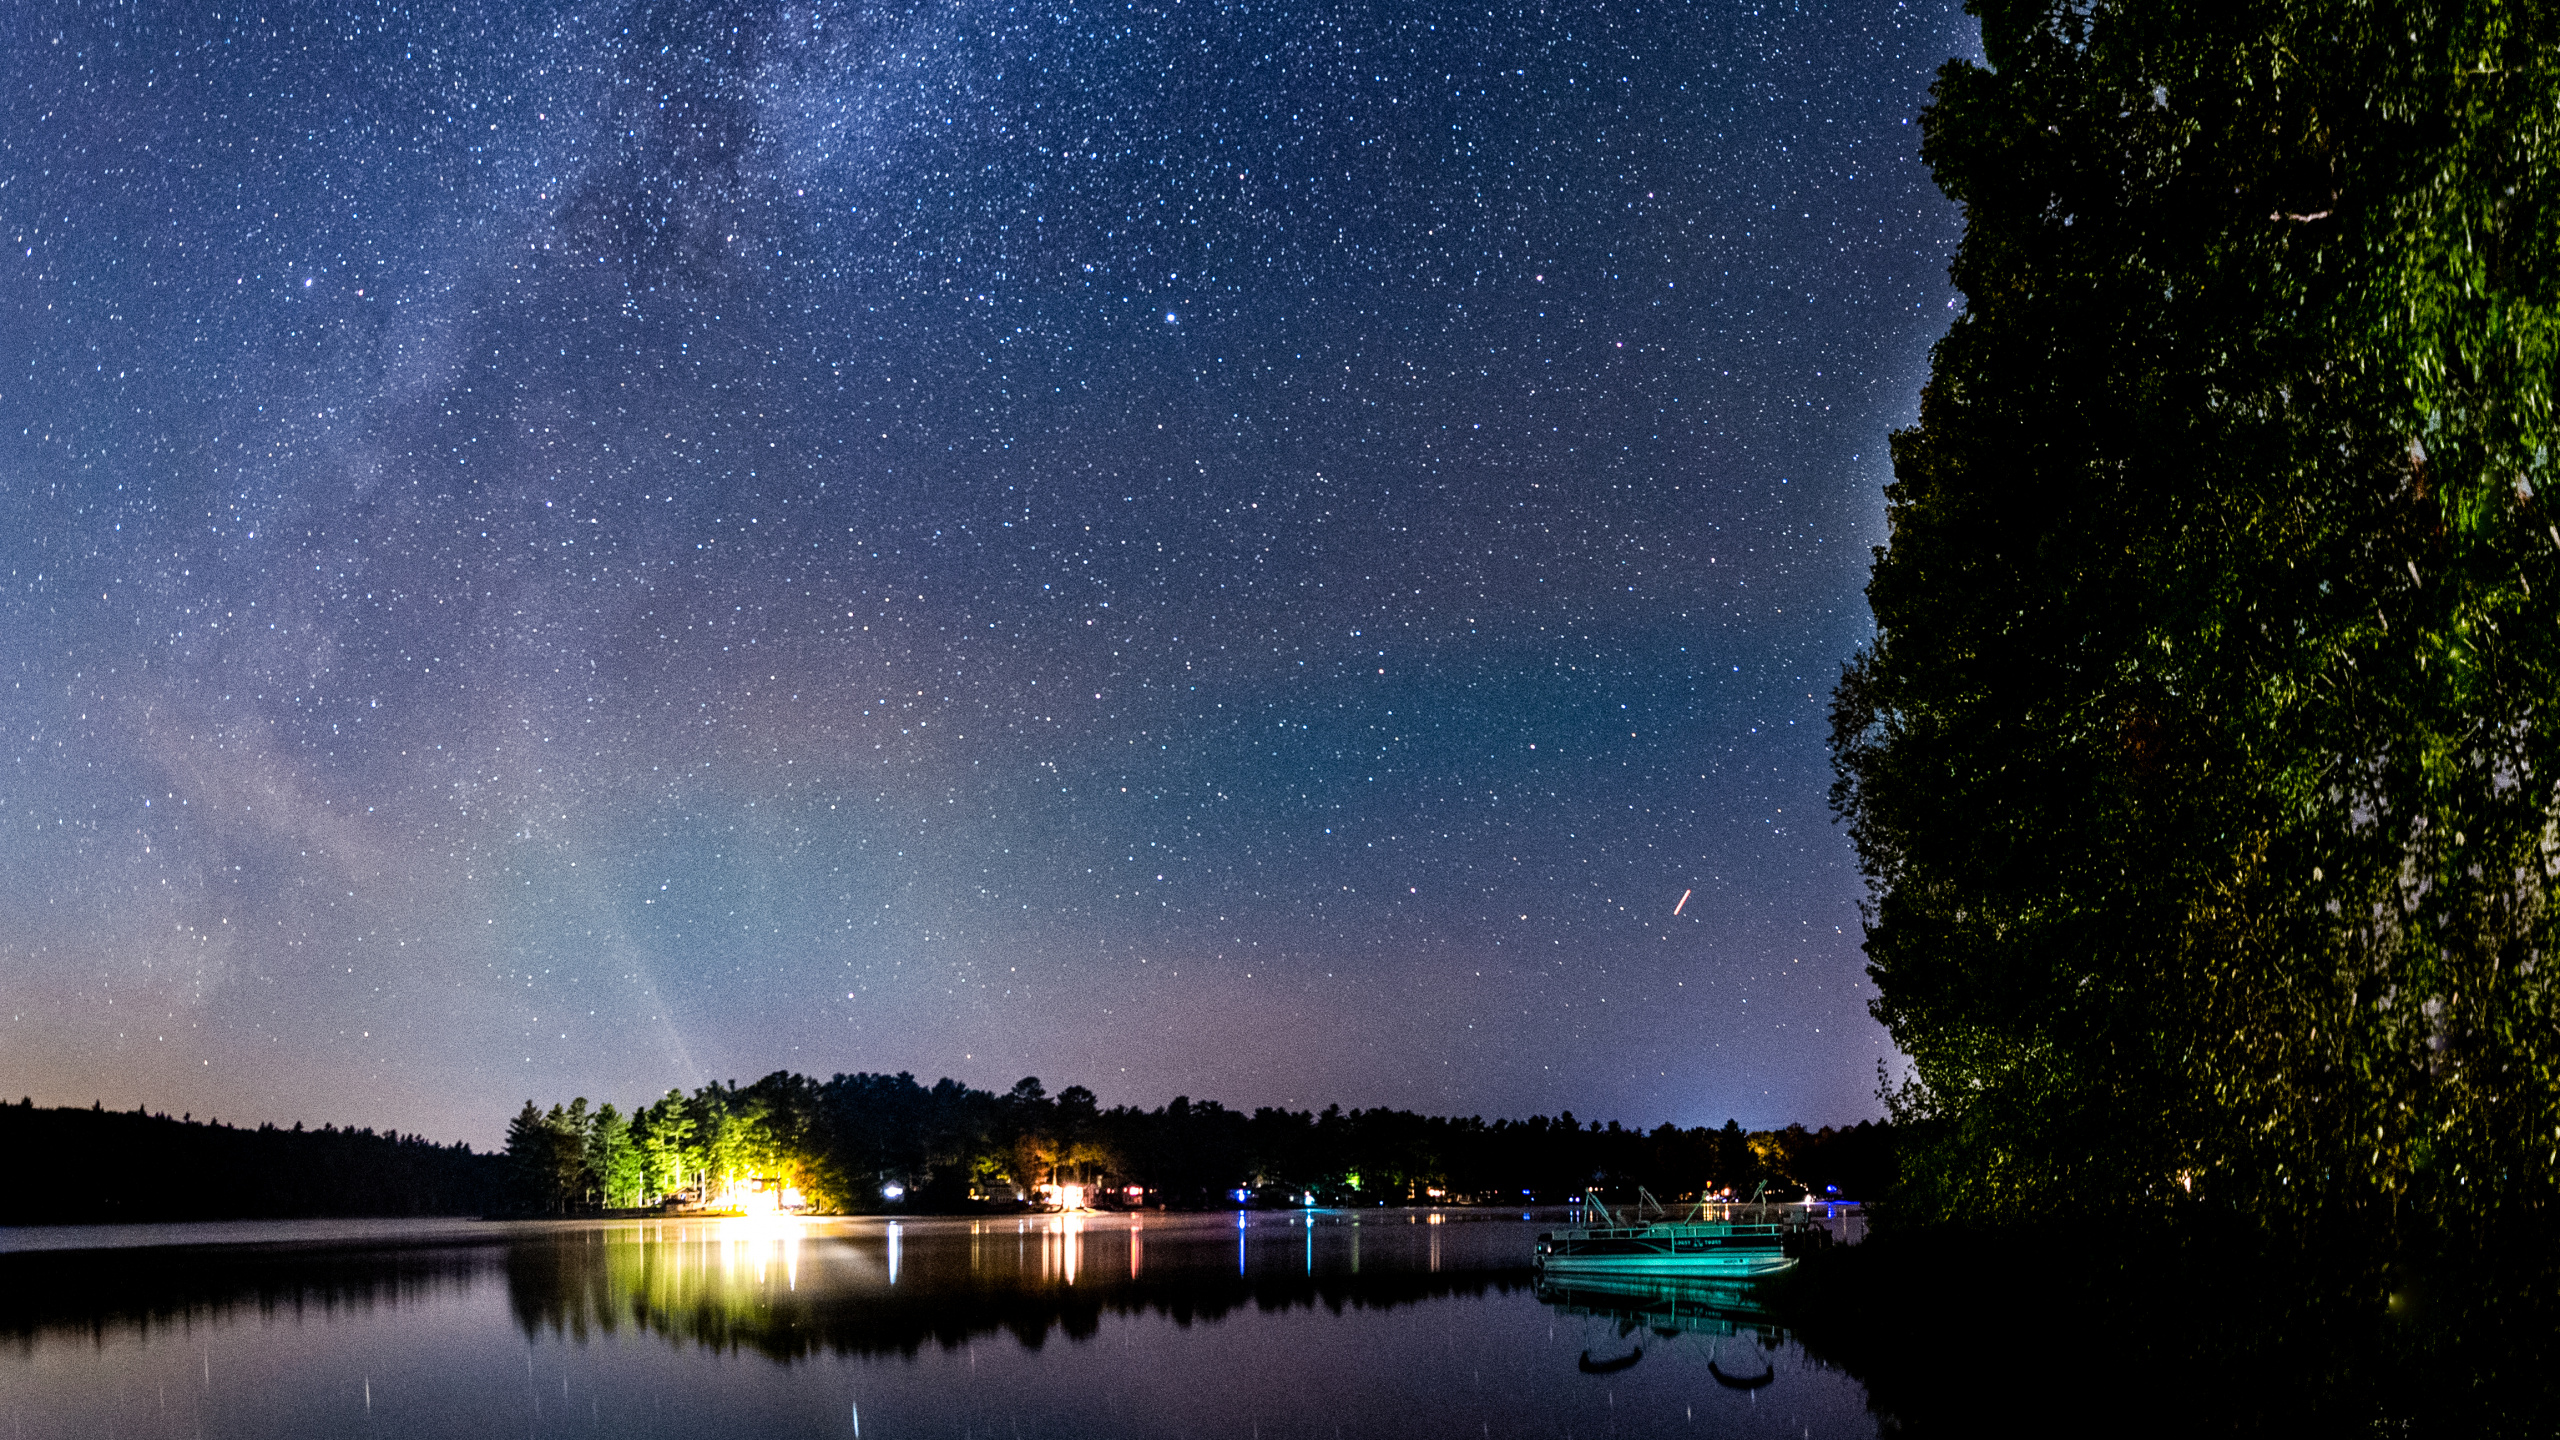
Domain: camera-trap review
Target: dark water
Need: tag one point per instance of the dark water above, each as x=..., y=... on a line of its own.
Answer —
x=1278, y=1325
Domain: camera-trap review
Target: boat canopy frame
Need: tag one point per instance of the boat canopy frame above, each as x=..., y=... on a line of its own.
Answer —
x=1706, y=1211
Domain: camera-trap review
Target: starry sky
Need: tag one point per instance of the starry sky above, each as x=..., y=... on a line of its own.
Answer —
x=1249, y=550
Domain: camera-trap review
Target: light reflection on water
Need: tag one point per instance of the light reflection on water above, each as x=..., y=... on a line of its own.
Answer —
x=1317, y=1324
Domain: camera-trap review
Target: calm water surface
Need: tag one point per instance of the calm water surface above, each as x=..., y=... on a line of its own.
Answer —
x=1268, y=1325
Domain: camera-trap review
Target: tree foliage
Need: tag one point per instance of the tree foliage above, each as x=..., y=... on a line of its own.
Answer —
x=85, y=1166
x=2203, y=763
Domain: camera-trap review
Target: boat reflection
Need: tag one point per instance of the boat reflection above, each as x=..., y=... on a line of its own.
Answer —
x=1668, y=1308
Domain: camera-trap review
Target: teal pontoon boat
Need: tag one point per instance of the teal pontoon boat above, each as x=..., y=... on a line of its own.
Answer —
x=1735, y=1241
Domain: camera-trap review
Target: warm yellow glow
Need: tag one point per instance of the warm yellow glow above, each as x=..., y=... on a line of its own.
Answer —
x=1062, y=1246
x=1064, y=1197
x=751, y=1196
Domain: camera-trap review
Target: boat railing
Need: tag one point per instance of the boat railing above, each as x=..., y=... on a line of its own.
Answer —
x=1835, y=1215
x=1845, y=1219
x=1744, y=1212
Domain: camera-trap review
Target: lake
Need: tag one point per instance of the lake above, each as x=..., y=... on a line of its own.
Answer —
x=1262, y=1324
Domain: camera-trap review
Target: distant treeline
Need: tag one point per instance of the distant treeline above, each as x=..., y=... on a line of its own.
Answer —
x=859, y=1143
x=96, y=1165
x=872, y=1142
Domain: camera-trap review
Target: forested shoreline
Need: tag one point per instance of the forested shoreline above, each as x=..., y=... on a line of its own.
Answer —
x=109, y=1166
x=866, y=1142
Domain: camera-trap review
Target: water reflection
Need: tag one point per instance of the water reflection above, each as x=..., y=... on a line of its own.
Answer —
x=1316, y=1324
x=787, y=1289
x=1304, y=1323
x=137, y=1290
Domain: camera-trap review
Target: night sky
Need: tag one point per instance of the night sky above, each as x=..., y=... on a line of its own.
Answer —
x=1252, y=550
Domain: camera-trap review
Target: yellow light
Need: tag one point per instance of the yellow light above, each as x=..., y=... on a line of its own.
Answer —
x=756, y=1196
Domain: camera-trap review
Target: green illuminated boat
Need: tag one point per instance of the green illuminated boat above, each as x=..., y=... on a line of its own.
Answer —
x=1711, y=1242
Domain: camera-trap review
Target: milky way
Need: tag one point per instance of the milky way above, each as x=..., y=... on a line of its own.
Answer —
x=1253, y=551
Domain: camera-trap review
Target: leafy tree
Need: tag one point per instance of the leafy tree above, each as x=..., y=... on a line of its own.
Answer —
x=530, y=1160
x=1733, y=1166
x=1027, y=1122
x=614, y=1157
x=785, y=1142
x=1078, y=1139
x=2203, y=763
x=727, y=1127
x=664, y=1134
x=880, y=1133
x=570, y=1180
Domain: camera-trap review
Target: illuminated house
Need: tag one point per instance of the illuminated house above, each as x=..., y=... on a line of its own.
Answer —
x=745, y=1195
